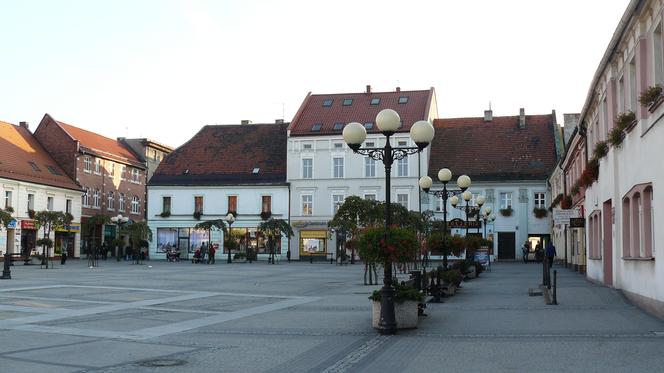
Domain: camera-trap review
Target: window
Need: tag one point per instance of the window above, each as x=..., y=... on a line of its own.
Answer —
x=31, y=201
x=135, y=205
x=123, y=172
x=626, y=228
x=632, y=86
x=338, y=167
x=605, y=119
x=121, y=202
x=49, y=203
x=338, y=126
x=506, y=200
x=96, y=198
x=110, y=205
x=111, y=169
x=539, y=201
x=370, y=197
x=97, y=166
x=154, y=155
x=232, y=204
x=266, y=204
x=338, y=146
x=375, y=101
x=402, y=199
x=648, y=219
x=337, y=201
x=135, y=175
x=53, y=170
x=68, y=206
x=347, y=102
x=368, y=125
x=34, y=166
x=307, y=168
x=316, y=127
x=369, y=167
x=637, y=222
x=166, y=205
x=87, y=164
x=657, y=51
x=402, y=167
x=306, y=146
x=403, y=99
x=327, y=103
x=86, y=197
x=621, y=95
x=307, y=204
x=198, y=204
x=8, y=198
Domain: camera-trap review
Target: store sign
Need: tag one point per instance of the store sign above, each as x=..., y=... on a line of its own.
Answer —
x=71, y=228
x=28, y=224
x=461, y=224
x=577, y=223
x=562, y=216
x=313, y=234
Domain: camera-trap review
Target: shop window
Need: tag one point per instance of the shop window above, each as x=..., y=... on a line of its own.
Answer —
x=313, y=243
x=167, y=239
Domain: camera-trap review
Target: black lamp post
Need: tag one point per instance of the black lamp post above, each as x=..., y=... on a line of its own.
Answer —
x=444, y=175
x=354, y=134
x=230, y=219
x=120, y=221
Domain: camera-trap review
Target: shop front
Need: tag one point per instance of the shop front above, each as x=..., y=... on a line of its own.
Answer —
x=65, y=239
x=313, y=244
x=28, y=237
x=183, y=240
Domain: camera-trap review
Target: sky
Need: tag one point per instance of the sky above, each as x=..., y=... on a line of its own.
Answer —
x=163, y=69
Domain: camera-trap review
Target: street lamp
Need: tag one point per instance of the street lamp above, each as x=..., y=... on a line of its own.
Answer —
x=488, y=217
x=354, y=134
x=230, y=219
x=120, y=221
x=445, y=175
x=480, y=202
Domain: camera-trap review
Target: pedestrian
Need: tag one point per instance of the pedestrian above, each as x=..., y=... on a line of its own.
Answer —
x=524, y=250
x=204, y=251
x=211, y=253
x=63, y=254
x=550, y=253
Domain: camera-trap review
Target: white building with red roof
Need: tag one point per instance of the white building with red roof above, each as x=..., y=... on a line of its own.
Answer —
x=323, y=171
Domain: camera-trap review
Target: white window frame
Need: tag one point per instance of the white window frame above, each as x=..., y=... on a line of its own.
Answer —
x=402, y=167
x=369, y=167
x=135, y=205
x=310, y=203
x=506, y=197
x=96, y=199
x=98, y=166
x=111, y=169
x=86, y=197
x=110, y=201
x=400, y=194
x=539, y=202
x=374, y=194
x=303, y=169
x=338, y=169
x=121, y=202
x=49, y=203
x=87, y=164
x=8, y=198
x=31, y=201
x=135, y=176
x=334, y=202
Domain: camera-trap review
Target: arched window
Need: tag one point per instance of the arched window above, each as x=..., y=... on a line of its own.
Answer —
x=648, y=215
x=626, y=227
x=636, y=226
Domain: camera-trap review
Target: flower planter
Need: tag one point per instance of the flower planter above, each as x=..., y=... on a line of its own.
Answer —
x=405, y=314
x=449, y=289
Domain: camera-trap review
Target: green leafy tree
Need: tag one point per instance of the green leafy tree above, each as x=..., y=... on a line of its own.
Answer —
x=273, y=230
x=5, y=217
x=89, y=229
x=139, y=234
x=50, y=221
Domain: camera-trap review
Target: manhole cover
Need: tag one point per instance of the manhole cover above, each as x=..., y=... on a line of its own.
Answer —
x=162, y=363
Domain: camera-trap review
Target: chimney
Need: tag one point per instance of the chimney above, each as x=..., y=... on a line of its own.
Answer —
x=368, y=89
x=245, y=121
x=488, y=115
x=398, y=89
x=522, y=118
x=24, y=125
x=278, y=121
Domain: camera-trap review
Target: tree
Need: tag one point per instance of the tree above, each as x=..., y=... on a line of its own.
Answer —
x=274, y=229
x=139, y=234
x=6, y=216
x=210, y=225
x=89, y=230
x=50, y=221
x=351, y=216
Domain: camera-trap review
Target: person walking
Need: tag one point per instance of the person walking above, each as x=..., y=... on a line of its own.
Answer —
x=63, y=254
x=211, y=252
x=524, y=250
x=204, y=252
x=550, y=253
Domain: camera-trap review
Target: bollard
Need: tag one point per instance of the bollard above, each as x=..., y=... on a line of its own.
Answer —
x=555, y=287
x=6, y=270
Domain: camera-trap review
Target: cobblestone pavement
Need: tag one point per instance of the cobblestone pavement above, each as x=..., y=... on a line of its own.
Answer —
x=301, y=317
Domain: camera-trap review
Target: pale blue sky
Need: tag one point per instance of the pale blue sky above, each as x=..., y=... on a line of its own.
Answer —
x=163, y=69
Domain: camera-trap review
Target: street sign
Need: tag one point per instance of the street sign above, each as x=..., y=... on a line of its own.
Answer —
x=562, y=216
x=12, y=224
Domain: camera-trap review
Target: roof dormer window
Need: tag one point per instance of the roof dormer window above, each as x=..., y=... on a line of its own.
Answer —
x=327, y=103
x=368, y=125
x=316, y=127
x=347, y=102
x=338, y=126
x=375, y=101
x=403, y=99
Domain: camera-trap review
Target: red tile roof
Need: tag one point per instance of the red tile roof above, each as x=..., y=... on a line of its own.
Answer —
x=17, y=148
x=495, y=150
x=313, y=112
x=100, y=145
x=228, y=155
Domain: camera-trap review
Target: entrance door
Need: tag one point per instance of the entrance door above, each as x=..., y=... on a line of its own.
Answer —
x=506, y=246
x=607, y=254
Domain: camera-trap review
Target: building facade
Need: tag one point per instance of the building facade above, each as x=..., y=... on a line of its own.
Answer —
x=113, y=179
x=148, y=151
x=513, y=177
x=574, y=164
x=622, y=203
x=323, y=171
x=31, y=181
x=239, y=169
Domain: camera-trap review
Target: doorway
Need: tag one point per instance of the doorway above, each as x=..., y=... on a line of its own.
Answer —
x=506, y=246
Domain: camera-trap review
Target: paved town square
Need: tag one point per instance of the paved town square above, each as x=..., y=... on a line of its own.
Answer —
x=302, y=317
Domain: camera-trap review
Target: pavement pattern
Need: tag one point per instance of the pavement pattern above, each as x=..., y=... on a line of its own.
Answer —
x=302, y=317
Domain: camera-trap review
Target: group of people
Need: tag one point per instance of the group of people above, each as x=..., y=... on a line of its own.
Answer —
x=202, y=252
x=550, y=252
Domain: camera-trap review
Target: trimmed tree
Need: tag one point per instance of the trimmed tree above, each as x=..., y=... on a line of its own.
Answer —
x=274, y=229
x=50, y=221
x=139, y=234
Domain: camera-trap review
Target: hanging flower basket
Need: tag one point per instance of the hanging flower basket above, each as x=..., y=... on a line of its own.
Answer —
x=166, y=214
x=265, y=215
x=601, y=150
x=540, y=212
x=197, y=215
x=506, y=212
x=651, y=96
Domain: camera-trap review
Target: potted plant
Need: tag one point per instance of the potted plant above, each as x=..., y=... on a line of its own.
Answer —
x=265, y=215
x=601, y=150
x=626, y=120
x=451, y=278
x=165, y=214
x=197, y=215
x=540, y=212
x=506, y=211
x=651, y=97
x=616, y=136
x=396, y=244
x=406, y=299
